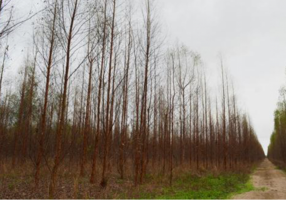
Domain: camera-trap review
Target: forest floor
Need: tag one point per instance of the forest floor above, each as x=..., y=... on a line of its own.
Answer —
x=269, y=183
x=187, y=184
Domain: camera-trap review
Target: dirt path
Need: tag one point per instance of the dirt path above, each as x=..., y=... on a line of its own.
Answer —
x=270, y=183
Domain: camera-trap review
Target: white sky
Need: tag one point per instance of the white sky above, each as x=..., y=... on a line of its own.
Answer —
x=250, y=34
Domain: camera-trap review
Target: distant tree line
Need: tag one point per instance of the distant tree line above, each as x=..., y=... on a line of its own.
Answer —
x=277, y=147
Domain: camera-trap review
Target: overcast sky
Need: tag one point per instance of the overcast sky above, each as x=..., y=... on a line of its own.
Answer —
x=250, y=34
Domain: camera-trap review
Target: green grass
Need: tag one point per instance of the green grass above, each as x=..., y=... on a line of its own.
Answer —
x=206, y=187
x=263, y=189
x=282, y=169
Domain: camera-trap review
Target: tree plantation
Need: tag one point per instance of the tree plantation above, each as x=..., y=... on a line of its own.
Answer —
x=276, y=149
x=100, y=99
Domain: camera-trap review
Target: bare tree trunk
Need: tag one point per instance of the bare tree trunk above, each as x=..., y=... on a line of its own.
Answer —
x=125, y=106
x=20, y=119
x=2, y=68
x=46, y=100
x=94, y=161
x=87, y=109
x=143, y=117
x=60, y=130
x=108, y=123
x=28, y=127
x=224, y=119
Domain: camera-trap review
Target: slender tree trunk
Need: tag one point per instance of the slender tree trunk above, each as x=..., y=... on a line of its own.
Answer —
x=87, y=112
x=224, y=119
x=20, y=119
x=46, y=100
x=107, y=122
x=54, y=174
x=2, y=69
x=94, y=161
x=28, y=127
x=143, y=117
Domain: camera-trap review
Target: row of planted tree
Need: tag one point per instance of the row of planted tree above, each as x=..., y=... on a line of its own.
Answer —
x=277, y=147
x=98, y=89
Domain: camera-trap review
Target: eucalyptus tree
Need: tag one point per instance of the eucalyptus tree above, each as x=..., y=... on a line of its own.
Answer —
x=47, y=47
x=72, y=19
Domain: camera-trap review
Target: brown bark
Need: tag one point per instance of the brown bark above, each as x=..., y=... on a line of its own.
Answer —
x=46, y=100
x=224, y=118
x=98, y=131
x=20, y=119
x=87, y=110
x=60, y=130
x=2, y=68
x=108, y=123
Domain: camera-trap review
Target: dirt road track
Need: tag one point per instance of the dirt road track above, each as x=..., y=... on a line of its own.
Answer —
x=270, y=183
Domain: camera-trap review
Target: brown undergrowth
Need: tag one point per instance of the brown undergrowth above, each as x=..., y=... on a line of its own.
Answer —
x=19, y=182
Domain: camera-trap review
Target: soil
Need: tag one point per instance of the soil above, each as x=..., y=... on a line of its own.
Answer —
x=269, y=183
